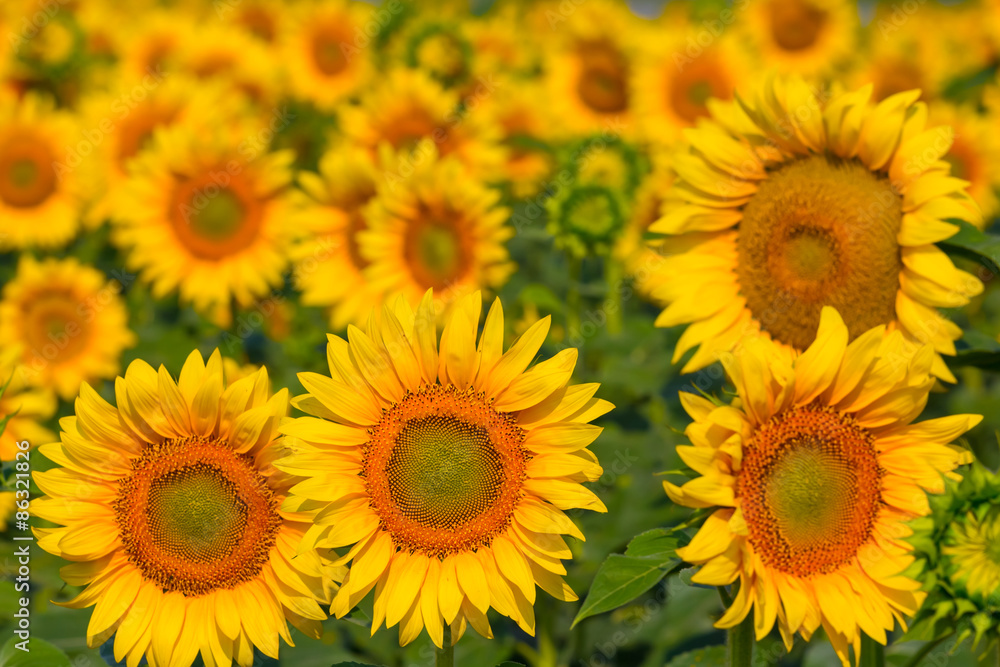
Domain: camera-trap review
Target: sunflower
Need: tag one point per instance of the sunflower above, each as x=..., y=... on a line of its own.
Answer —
x=958, y=561
x=815, y=469
x=329, y=266
x=673, y=84
x=589, y=69
x=328, y=52
x=433, y=227
x=407, y=107
x=40, y=198
x=441, y=47
x=446, y=469
x=795, y=204
x=640, y=260
x=975, y=153
x=807, y=37
x=120, y=124
x=153, y=43
x=22, y=407
x=527, y=128
x=264, y=19
x=204, y=212
x=233, y=58
x=170, y=510
x=69, y=322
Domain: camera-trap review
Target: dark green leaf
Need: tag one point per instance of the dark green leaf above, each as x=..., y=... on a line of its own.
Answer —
x=624, y=577
x=351, y=664
x=510, y=663
x=973, y=244
x=977, y=349
x=40, y=653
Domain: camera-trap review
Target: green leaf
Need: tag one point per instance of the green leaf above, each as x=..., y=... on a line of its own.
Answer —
x=510, y=663
x=710, y=656
x=40, y=653
x=352, y=664
x=973, y=244
x=976, y=349
x=623, y=577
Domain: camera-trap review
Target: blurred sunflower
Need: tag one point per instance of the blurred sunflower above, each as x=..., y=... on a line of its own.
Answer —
x=447, y=469
x=589, y=71
x=527, y=127
x=120, y=124
x=815, y=469
x=440, y=46
x=227, y=55
x=263, y=19
x=807, y=37
x=434, y=228
x=169, y=508
x=69, y=322
x=673, y=84
x=975, y=152
x=151, y=45
x=329, y=266
x=22, y=406
x=795, y=204
x=204, y=212
x=632, y=248
x=40, y=198
x=328, y=52
x=407, y=107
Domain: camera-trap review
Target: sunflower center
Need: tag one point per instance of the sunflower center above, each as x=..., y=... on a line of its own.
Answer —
x=444, y=470
x=592, y=213
x=691, y=88
x=54, y=326
x=260, y=22
x=603, y=82
x=818, y=232
x=811, y=490
x=216, y=215
x=435, y=251
x=27, y=174
x=326, y=51
x=195, y=516
x=796, y=25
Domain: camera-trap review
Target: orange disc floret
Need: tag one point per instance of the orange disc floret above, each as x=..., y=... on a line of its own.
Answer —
x=444, y=470
x=811, y=490
x=195, y=516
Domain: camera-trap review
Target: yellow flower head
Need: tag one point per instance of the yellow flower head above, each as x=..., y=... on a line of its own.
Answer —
x=328, y=48
x=68, y=321
x=807, y=37
x=40, y=198
x=329, y=266
x=23, y=406
x=589, y=71
x=815, y=469
x=205, y=213
x=407, y=107
x=430, y=226
x=446, y=467
x=170, y=510
x=790, y=202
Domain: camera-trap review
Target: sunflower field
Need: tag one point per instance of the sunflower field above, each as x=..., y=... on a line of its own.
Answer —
x=541, y=333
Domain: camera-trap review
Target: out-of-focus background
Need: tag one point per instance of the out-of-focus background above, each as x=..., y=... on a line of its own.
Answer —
x=548, y=125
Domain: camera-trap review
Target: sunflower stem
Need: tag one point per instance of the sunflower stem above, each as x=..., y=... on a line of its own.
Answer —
x=919, y=656
x=741, y=643
x=613, y=304
x=573, y=297
x=445, y=657
x=872, y=653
